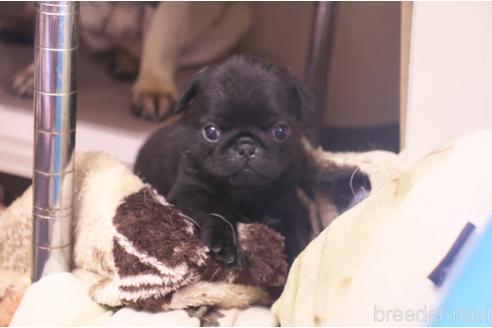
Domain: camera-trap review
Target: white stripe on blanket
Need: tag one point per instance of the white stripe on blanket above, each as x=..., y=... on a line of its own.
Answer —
x=144, y=293
x=178, y=272
x=149, y=279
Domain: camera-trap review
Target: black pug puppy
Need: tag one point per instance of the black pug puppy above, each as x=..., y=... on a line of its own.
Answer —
x=235, y=154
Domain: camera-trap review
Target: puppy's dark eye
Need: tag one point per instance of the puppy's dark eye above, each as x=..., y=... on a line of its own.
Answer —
x=211, y=133
x=280, y=132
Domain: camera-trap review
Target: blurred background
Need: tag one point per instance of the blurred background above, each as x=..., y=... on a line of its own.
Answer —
x=398, y=76
x=360, y=81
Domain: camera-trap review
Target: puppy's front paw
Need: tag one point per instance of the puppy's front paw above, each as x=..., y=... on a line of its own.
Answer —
x=153, y=101
x=221, y=240
x=22, y=83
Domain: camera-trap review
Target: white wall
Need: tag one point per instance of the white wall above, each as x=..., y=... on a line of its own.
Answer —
x=450, y=81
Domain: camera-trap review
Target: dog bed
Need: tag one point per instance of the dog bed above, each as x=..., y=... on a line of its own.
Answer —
x=119, y=269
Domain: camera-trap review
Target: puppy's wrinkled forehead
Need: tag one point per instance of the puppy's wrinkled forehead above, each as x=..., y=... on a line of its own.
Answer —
x=239, y=94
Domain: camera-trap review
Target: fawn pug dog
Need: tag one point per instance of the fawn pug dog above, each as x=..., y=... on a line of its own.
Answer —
x=149, y=40
x=235, y=154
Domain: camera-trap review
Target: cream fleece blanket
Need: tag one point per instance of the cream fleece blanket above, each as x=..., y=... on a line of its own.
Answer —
x=373, y=264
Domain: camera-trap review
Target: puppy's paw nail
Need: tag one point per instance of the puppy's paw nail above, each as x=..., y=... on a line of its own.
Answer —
x=225, y=259
x=216, y=249
x=229, y=259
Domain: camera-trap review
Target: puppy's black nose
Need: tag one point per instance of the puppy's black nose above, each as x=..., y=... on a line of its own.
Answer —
x=246, y=149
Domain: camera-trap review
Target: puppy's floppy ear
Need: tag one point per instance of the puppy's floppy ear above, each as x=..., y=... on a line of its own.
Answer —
x=190, y=91
x=187, y=97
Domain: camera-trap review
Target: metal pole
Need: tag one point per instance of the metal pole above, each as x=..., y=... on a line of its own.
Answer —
x=318, y=65
x=55, y=95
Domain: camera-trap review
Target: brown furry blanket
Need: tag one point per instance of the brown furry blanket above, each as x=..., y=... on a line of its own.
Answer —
x=157, y=251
